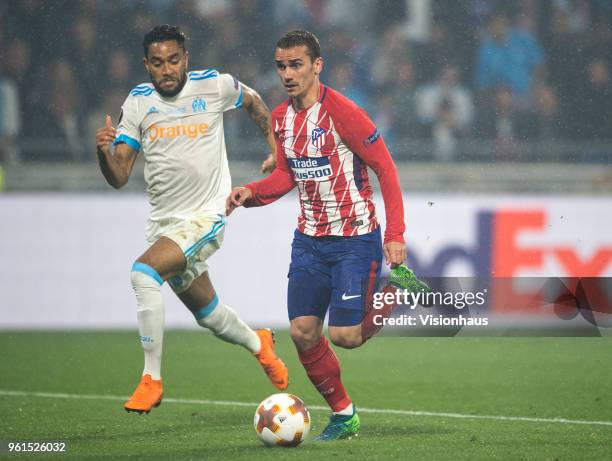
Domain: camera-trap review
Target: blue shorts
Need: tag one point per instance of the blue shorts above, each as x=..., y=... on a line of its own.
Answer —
x=333, y=272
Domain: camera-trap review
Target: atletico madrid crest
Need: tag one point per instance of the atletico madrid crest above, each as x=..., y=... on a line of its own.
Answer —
x=318, y=138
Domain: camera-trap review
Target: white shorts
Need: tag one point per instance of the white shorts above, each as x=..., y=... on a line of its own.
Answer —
x=198, y=237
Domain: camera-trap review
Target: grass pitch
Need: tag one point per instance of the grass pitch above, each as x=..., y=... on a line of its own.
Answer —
x=71, y=387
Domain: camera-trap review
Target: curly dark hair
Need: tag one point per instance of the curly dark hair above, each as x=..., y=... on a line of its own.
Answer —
x=163, y=33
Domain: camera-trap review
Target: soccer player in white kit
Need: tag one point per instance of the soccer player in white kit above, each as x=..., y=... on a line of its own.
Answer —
x=177, y=121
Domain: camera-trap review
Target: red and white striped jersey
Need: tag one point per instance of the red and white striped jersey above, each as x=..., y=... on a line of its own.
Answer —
x=325, y=150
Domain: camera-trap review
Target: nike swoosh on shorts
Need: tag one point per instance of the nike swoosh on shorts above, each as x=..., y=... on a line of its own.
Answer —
x=346, y=298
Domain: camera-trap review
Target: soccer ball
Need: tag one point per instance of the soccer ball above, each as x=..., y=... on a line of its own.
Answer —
x=282, y=419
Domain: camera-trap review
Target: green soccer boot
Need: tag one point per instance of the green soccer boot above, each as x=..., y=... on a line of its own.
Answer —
x=340, y=427
x=403, y=277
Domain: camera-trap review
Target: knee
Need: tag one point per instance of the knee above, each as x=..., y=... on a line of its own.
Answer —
x=304, y=336
x=347, y=339
x=144, y=276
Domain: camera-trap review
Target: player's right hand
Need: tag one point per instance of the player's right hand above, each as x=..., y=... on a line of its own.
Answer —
x=269, y=163
x=105, y=136
x=236, y=199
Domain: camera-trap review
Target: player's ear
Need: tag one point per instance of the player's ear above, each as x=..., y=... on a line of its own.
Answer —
x=318, y=65
x=145, y=62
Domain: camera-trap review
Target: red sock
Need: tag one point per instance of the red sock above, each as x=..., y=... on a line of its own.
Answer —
x=368, y=327
x=323, y=369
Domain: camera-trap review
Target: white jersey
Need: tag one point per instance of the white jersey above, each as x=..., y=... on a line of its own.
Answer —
x=182, y=140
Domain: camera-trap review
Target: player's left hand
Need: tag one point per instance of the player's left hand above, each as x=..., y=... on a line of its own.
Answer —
x=269, y=163
x=236, y=199
x=395, y=253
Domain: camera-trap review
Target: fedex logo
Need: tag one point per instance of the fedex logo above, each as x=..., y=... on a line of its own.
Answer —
x=500, y=252
x=497, y=251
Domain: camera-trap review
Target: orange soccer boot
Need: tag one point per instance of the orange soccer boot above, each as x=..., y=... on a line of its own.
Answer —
x=147, y=395
x=272, y=365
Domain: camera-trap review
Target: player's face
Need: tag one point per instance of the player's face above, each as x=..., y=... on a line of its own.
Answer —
x=297, y=71
x=166, y=63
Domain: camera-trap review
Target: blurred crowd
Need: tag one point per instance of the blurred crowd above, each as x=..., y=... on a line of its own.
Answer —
x=434, y=70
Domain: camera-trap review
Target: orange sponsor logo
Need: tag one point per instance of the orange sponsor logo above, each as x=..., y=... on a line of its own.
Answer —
x=192, y=131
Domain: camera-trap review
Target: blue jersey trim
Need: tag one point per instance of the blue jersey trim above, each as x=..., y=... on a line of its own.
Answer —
x=145, y=89
x=210, y=73
x=239, y=100
x=127, y=140
x=324, y=94
x=196, y=73
x=207, y=310
x=357, y=172
x=193, y=249
x=205, y=77
x=147, y=270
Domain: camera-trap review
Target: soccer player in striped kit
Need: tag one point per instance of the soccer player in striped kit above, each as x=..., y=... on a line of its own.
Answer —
x=325, y=143
x=177, y=121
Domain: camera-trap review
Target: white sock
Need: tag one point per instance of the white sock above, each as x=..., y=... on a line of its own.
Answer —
x=146, y=283
x=225, y=324
x=348, y=411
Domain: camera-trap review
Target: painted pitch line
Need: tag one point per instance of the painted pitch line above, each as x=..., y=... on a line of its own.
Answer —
x=53, y=395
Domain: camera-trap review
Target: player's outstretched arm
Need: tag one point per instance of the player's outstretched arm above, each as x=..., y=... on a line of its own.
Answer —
x=266, y=190
x=262, y=192
x=116, y=167
x=363, y=138
x=260, y=114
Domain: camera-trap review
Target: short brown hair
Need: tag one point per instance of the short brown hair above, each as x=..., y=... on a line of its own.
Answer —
x=298, y=38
